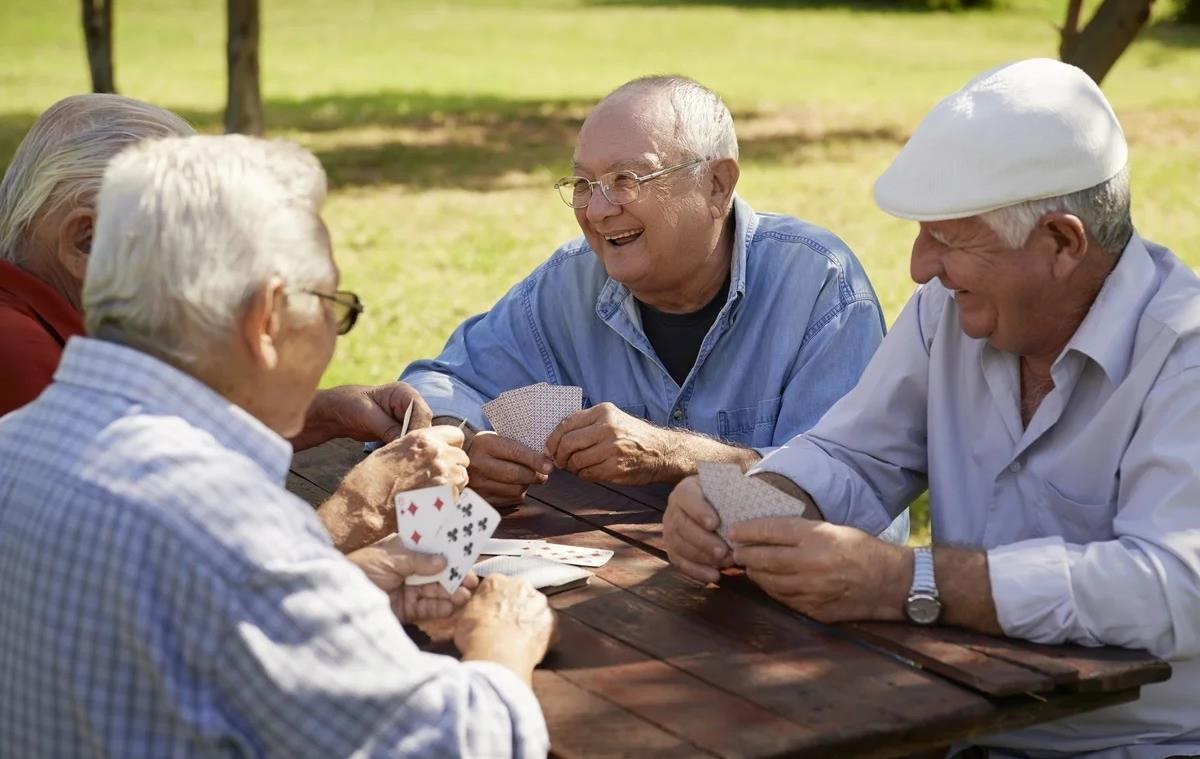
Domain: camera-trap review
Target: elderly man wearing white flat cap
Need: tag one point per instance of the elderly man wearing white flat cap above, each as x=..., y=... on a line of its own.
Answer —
x=1044, y=384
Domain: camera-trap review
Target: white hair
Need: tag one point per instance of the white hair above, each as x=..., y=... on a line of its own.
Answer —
x=61, y=159
x=1103, y=209
x=188, y=228
x=703, y=124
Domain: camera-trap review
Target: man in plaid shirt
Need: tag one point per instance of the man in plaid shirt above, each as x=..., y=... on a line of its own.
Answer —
x=162, y=594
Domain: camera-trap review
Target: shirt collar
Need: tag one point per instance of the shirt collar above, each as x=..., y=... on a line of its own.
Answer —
x=162, y=389
x=745, y=224
x=54, y=311
x=1107, y=333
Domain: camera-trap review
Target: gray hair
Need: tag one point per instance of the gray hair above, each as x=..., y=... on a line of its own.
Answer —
x=703, y=124
x=61, y=159
x=1103, y=209
x=189, y=227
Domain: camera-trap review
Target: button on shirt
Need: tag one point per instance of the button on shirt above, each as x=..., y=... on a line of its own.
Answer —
x=1090, y=515
x=161, y=594
x=35, y=324
x=797, y=327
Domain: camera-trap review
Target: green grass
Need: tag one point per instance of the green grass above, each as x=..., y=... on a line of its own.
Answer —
x=442, y=124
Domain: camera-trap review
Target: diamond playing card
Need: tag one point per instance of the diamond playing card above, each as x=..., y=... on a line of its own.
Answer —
x=461, y=537
x=738, y=498
x=419, y=514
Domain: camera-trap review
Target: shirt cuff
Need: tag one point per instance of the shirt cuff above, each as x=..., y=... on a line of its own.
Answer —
x=1031, y=587
x=528, y=722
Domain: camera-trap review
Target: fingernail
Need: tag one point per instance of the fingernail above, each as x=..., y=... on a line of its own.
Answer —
x=718, y=552
x=547, y=466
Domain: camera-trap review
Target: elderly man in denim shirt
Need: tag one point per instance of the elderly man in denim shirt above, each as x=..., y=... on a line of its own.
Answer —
x=698, y=329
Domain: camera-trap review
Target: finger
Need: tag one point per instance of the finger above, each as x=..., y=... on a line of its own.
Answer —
x=573, y=422
x=695, y=571
x=497, y=493
x=500, y=470
x=774, y=559
x=702, y=544
x=445, y=434
x=689, y=499
x=780, y=584
x=600, y=455
x=510, y=450
x=779, y=531
x=579, y=440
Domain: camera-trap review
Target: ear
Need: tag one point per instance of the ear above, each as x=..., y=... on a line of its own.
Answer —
x=261, y=323
x=725, y=173
x=74, y=243
x=1065, y=236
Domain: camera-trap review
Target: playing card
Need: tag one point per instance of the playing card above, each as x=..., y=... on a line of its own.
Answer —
x=529, y=414
x=738, y=498
x=461, y=538
x=407, y=419
x=543, y=574
x=419, y=515
x=508, y=546
x=578, y=555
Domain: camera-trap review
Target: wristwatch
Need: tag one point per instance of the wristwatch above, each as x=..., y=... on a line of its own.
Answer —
x=923, y=606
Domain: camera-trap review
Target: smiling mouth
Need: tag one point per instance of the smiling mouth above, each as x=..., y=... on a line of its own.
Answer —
x=619, y=239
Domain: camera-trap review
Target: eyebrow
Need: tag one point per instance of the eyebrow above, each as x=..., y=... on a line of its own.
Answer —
x=629, y=164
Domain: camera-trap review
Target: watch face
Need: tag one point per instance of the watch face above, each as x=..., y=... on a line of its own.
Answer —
x=924, y=610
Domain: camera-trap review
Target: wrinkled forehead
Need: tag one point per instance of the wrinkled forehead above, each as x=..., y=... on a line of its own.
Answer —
x=632, y=131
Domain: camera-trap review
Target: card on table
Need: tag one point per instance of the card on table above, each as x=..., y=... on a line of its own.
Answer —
x=508, y=546
x=464, y=528
x=547, y=576
x=738, y=498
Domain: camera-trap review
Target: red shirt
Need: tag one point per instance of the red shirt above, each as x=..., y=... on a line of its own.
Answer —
x=35, y=323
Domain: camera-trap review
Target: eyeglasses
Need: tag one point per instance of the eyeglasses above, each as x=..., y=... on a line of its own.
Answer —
x=619, y=187
x=346, y=307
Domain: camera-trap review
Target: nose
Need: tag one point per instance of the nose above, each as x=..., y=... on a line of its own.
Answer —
x=600, y=207
x=926, y=260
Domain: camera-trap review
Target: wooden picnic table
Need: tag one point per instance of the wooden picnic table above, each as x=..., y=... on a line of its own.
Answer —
x=652, y=663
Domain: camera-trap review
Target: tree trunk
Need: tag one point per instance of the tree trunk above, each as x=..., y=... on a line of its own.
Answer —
x=244, y=108
x=97, y=32
x=1098, y=45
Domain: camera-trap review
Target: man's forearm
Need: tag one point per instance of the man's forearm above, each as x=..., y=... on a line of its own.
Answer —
x=319, y=426
x=690, y=448
x=965, y=589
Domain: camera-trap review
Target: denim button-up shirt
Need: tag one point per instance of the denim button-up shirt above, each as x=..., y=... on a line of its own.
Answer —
x=799, y=324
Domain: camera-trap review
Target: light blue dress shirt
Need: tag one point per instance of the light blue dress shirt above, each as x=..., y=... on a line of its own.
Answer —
x=799, y=324
x=1090, y=515
x=161, y=594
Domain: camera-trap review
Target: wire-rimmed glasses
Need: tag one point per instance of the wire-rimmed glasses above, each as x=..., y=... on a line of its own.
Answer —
x=619, y=187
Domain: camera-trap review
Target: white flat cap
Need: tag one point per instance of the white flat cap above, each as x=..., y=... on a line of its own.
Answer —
x=1024, y=131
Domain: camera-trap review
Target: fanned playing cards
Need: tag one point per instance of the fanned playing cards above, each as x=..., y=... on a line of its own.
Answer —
x=529, y=414
x=738, y=498
x=430, y=520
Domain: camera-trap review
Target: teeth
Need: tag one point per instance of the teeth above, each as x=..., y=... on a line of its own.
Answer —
x=622, y=235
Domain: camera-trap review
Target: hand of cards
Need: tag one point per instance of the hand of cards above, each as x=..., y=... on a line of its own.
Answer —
x=738, y=498
x=529, y=414
x=429, y=520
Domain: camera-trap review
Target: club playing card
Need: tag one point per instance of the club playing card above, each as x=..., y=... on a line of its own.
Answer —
x=461, y=538
x=508, y=546
x=545, y=575
x=419, y=515
x=577, y=555
x=738, y=498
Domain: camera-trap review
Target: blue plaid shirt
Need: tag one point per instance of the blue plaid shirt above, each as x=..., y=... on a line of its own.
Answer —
x=161, y=594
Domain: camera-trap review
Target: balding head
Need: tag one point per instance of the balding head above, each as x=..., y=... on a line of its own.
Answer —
x=59, y=164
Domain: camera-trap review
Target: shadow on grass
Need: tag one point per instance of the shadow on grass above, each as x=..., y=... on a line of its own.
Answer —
x=866, y=6
x=422, y=140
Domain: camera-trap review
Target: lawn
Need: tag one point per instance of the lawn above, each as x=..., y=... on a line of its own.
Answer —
x=443, y=124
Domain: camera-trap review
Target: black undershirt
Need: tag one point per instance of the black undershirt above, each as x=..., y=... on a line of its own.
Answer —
x=676, y=338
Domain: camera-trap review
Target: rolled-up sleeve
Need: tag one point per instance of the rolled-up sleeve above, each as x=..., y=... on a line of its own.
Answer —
x=315, y=665
x=1140, y=589
x=864, y=461
x=488, y=354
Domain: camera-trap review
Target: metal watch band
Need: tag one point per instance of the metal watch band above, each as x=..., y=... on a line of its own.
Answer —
x=923, y=579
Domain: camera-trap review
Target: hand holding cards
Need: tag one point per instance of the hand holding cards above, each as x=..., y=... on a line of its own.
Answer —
x=429, y=520
x=738, y=498
x=529, y=414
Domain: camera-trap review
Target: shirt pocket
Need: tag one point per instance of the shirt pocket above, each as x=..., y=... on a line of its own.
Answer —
x=1077, y=521
x=751, y=425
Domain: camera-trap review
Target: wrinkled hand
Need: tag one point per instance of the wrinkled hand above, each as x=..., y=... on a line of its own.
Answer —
x=502, y=469
x=604, y=444
x=830, y=572
x=505, y=618
x=689, y=530
x=360, y=510
x=387, y=563
x=363, y=413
